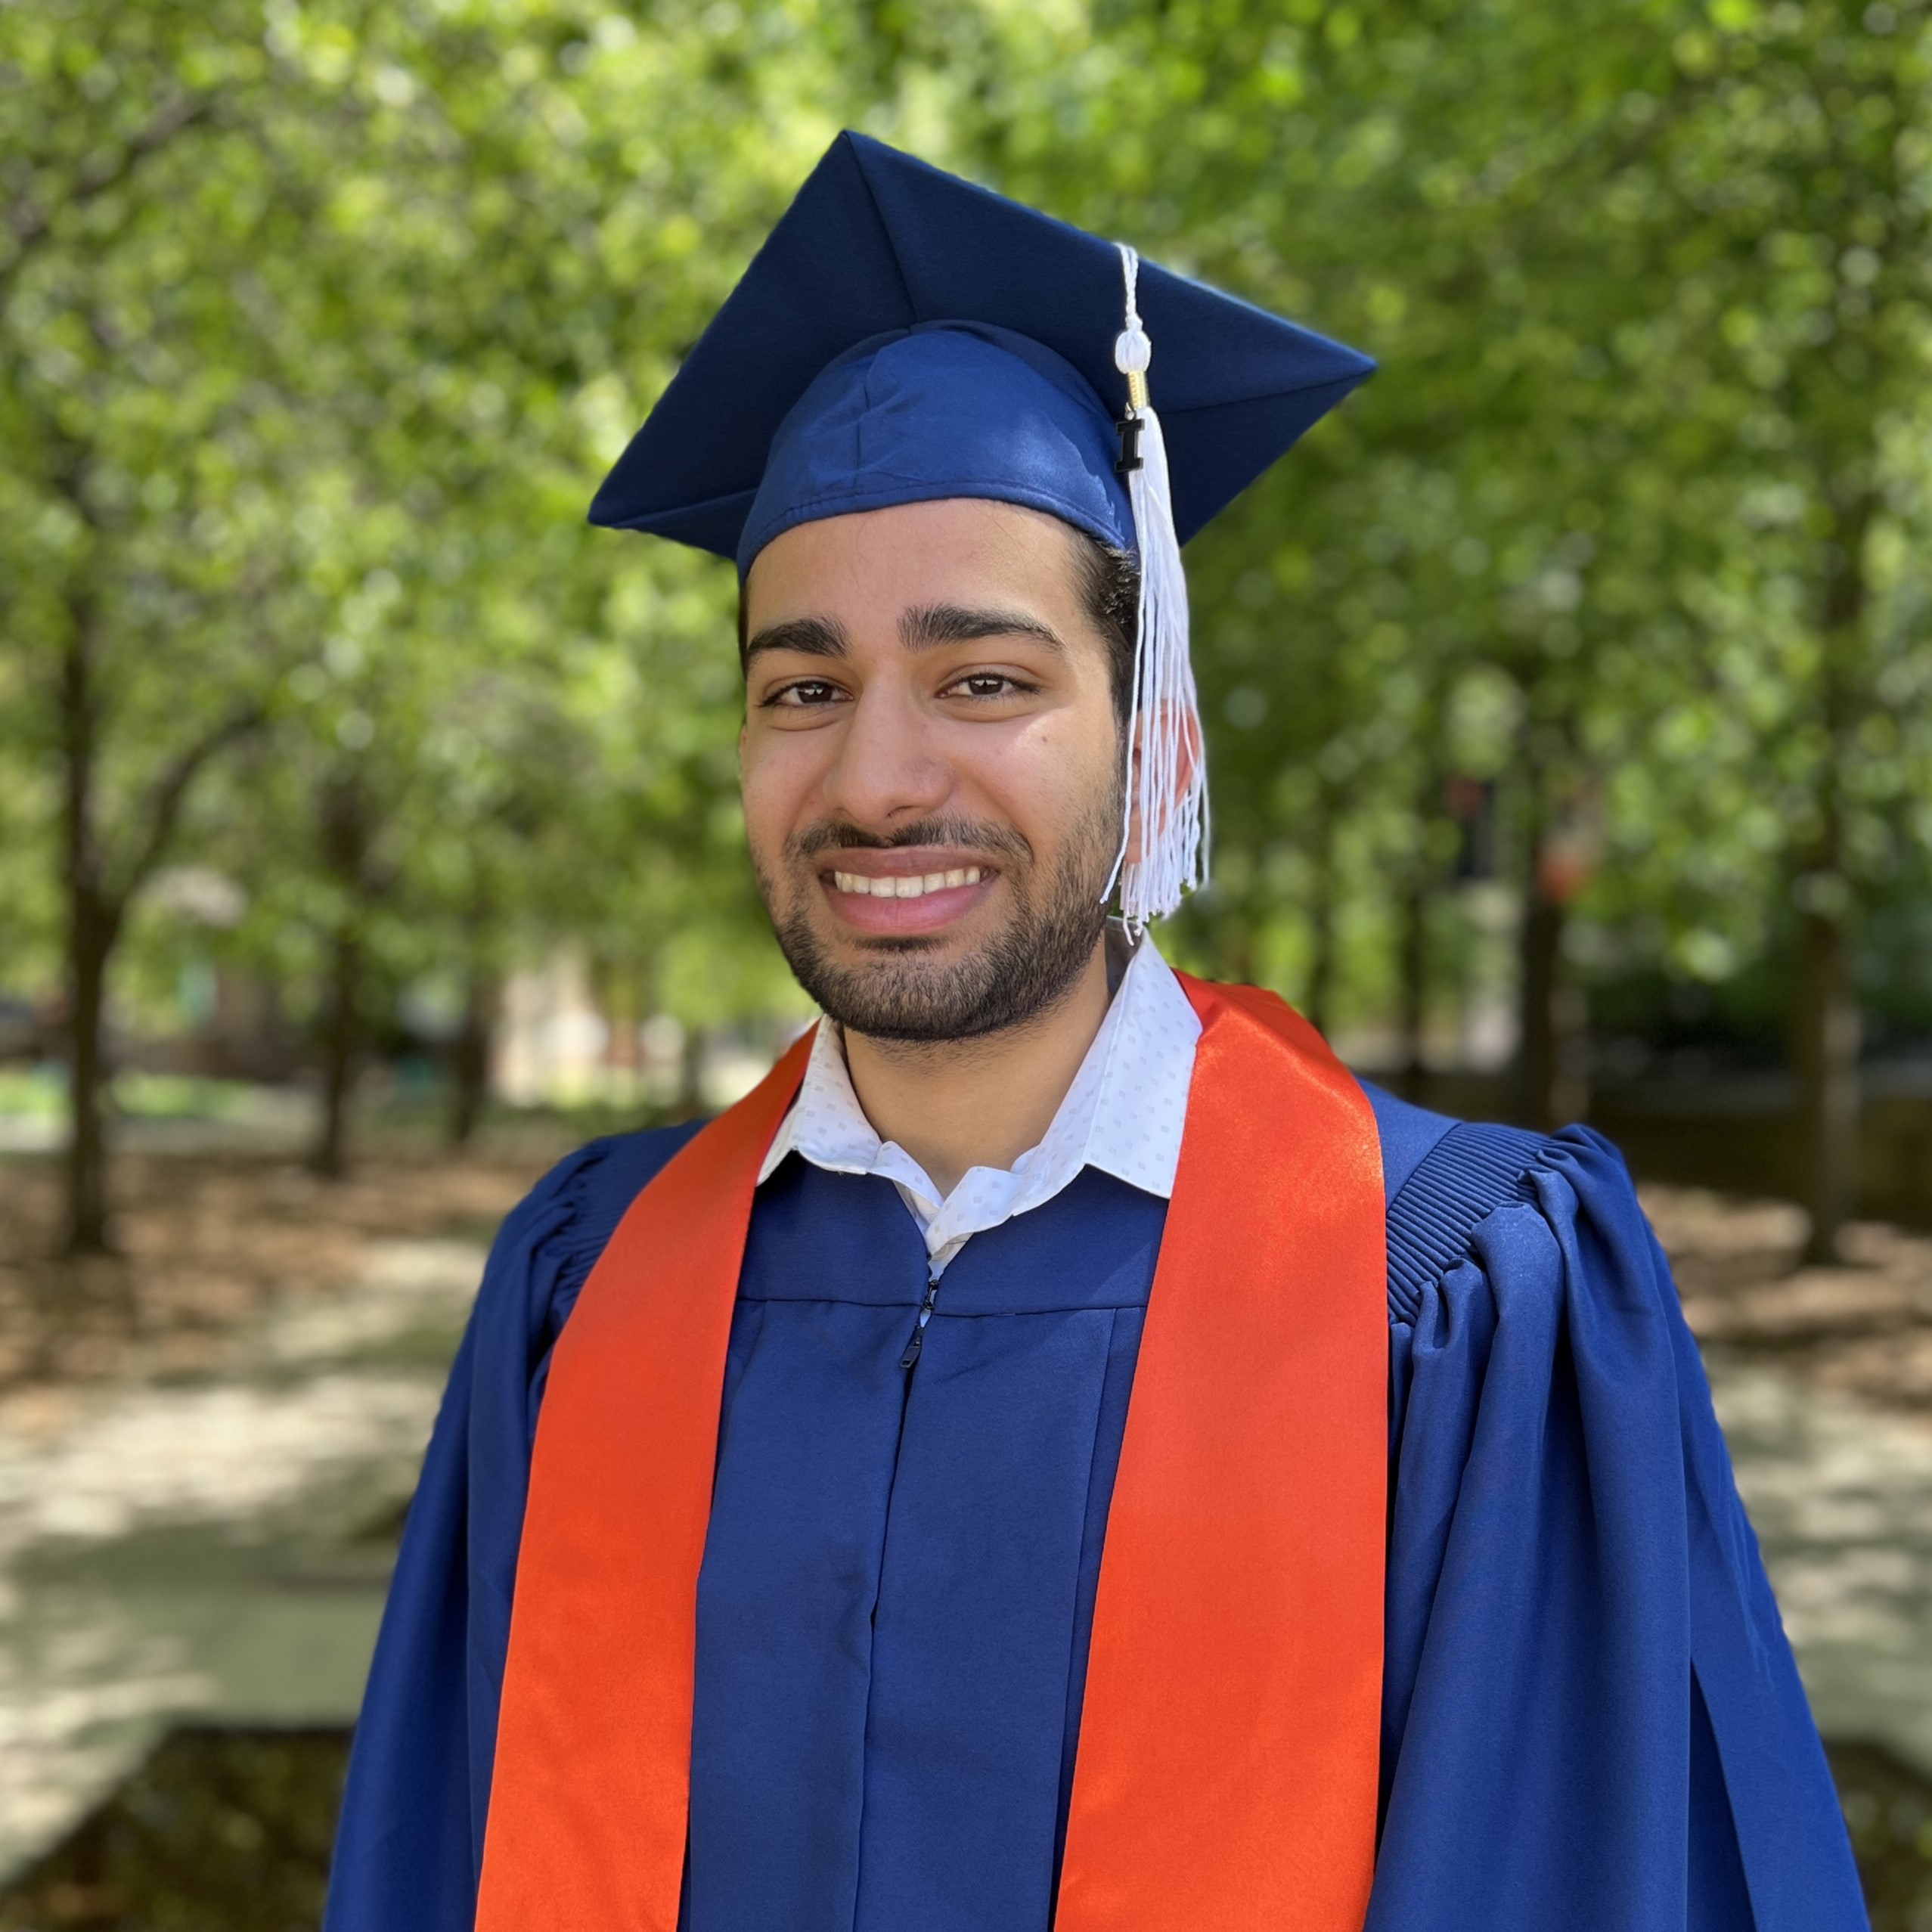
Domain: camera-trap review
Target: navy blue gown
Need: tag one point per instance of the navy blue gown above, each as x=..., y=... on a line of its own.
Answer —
x=1591, y=1719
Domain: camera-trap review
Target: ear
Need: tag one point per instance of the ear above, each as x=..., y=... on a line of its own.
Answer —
x=1185, y=723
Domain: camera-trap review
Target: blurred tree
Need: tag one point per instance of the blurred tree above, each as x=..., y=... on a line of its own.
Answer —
x=1779, y=233
x=146, y=605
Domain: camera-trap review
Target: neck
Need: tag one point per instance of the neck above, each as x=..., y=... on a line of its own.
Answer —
x=953, y=1105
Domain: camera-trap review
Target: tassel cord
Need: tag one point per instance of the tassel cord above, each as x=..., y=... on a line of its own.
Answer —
x=1166, y=786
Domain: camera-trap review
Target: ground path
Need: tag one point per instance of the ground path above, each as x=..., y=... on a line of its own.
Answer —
x=1841, y=1496
x=210, y=1549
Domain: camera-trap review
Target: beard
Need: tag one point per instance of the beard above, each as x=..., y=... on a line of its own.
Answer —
x=903, y=991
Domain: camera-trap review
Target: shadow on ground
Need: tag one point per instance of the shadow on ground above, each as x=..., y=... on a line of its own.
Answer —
x=220, y=1831
x=1888, y=1809
x=226, y=1831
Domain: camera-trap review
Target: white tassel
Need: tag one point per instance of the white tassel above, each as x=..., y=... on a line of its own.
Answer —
x=1168, y=786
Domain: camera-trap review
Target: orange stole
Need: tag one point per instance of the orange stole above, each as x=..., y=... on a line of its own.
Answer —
x=1226, y=1778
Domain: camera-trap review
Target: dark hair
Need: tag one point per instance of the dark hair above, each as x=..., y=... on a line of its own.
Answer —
x=1110, y=591
x=1110, y=594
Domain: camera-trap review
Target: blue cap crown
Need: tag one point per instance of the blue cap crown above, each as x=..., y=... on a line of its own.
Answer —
x=943, y=409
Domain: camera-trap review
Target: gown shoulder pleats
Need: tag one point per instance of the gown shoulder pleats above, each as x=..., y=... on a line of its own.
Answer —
x=1592, y=1718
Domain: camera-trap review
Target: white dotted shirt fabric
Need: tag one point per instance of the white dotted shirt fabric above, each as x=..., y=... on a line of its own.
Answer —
x=1124, y=1114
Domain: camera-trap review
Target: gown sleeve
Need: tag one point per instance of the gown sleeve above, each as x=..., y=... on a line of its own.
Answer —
x=409, y=1845
x=1592, y=1719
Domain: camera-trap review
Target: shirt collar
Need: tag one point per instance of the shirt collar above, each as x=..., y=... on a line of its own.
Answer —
x=1125, y=1114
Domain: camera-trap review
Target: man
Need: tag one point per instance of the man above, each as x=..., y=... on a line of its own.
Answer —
x=1060, y=1452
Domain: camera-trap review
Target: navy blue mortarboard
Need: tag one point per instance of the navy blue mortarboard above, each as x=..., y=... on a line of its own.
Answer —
x=904, y=336
x=877, y=244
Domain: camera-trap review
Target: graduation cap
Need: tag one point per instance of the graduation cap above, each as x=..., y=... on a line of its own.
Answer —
x=903, y=335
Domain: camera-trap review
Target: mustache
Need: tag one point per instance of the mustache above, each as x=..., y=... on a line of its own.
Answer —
x=965, y=834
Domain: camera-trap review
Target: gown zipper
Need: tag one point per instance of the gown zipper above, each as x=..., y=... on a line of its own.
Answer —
x=910, y=1358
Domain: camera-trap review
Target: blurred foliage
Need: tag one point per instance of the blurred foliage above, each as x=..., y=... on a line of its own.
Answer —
x=318, y=322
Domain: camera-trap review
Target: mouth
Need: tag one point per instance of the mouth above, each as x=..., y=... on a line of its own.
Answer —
x=905, y=893
x=913, y=886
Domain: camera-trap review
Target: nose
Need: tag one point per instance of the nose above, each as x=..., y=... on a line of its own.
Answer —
x=889, y=770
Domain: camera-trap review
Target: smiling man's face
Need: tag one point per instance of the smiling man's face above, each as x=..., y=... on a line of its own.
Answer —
x=930, y=765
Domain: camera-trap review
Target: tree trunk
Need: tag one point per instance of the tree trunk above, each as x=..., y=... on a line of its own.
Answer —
x=1413, y=1014
x=344, y=825
x=1542, y=966
x=1553, y=1083
x=1827, y=1053
x=90, y=1229
x=690, y=1075
x=469, y=1061
x=97, y=893
x=90, y=927
x=1825, y=1046
x=1829, y=1087
x=329, y=1158
x=339, y=1053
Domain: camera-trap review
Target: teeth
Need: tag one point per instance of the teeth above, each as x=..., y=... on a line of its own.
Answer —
x=910, y=888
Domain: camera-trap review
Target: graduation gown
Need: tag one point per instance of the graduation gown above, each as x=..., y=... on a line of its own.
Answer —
x=1591, y=1718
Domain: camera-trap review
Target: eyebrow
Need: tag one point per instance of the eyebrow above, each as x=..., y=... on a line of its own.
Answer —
x=924, y=627
x=815, y=637
x=934, y=624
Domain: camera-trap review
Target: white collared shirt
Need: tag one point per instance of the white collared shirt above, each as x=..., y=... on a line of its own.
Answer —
x=1124, y=1114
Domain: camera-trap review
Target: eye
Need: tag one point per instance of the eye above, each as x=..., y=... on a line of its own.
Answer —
x=984, y=684
x=803, y=693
